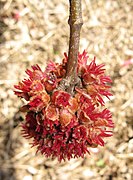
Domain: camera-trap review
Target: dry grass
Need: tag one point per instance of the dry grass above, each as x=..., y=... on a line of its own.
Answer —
x=41, y=34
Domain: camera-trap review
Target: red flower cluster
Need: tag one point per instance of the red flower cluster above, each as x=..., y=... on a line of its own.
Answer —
x=63, y=126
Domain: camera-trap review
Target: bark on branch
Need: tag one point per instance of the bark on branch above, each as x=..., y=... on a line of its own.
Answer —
x=75, y=22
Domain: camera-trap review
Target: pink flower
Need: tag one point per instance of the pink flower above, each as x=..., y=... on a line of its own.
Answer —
x=62, y=125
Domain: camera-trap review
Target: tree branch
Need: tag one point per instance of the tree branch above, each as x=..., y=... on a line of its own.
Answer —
x=75, y=22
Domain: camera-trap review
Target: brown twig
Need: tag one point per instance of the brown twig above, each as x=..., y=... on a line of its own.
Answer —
x=75, y=22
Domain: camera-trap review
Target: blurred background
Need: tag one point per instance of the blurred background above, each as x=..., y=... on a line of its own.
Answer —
x=35, y=31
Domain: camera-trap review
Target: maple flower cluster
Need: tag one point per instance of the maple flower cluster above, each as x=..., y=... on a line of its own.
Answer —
x=62, y=125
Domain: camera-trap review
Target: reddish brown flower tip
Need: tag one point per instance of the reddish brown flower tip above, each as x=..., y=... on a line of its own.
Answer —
x=73, y=105
x=51, y=112
x=62, y=125
x=61, y=98
x=65, y=117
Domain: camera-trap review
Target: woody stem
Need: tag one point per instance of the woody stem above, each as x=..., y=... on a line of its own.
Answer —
x=75, y=22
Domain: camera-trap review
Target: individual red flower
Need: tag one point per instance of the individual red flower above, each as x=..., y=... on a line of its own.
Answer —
x=61, y=98
x=73, y=105
x=66, y=117
x=51, y=112
x=62, y=125
x=82, y=62
x=50, y=82
x=39, y=101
